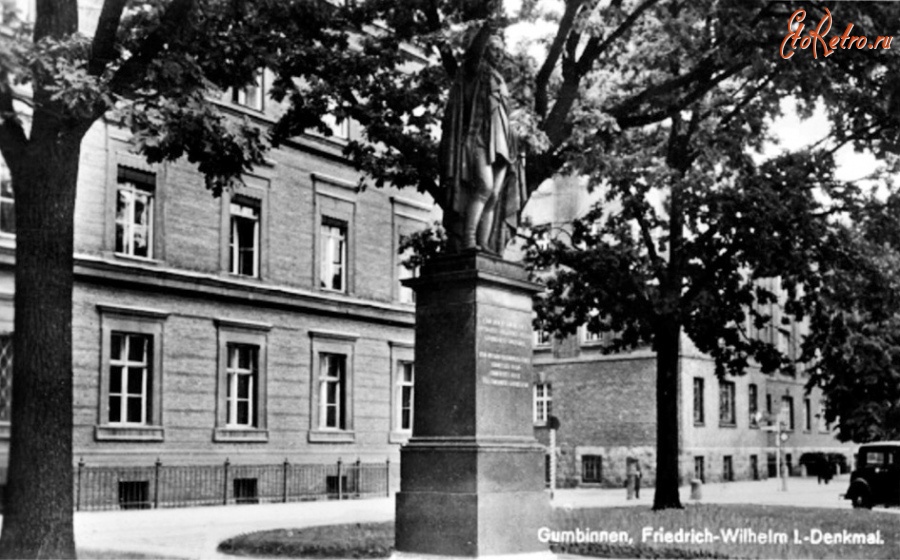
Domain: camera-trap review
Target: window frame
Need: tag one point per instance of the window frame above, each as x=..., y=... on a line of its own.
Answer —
x=542, y=404
x=408, y=216
x=753, y=405
x=231, y=333
x=123, y=160
x=233, y=94
x=335, y=201
x=788, y=401
x=235, y=248
x=401, y=353
x=331, y=343
x=727, y=404
x=233, y=373
x=596, y=469
x=327, y=267
x=135, y=186
x=254, y=192
x=139, y=321
x=699, y=401
x=124, y=395
x=807, y=415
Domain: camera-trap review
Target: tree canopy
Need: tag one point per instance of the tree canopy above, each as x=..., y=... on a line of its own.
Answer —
x=660, y=102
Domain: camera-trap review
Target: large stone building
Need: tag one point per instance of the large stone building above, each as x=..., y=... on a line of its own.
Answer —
x=266, y=326
x=606, y=403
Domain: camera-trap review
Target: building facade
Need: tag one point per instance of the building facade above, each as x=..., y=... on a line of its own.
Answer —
x=264, y=326
x=606, y=403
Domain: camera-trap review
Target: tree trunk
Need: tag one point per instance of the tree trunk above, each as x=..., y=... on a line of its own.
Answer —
x=667, y=445
x=37, y=516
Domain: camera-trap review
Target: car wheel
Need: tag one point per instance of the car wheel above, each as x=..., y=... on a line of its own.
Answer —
x=861, y=499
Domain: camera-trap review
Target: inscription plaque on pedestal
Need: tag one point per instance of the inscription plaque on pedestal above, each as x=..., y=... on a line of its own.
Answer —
x=472, y=475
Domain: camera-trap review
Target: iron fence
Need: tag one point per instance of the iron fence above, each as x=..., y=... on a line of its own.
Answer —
x=168, y=486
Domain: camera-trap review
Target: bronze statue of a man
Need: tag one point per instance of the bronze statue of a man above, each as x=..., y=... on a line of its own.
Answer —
x=481, y=171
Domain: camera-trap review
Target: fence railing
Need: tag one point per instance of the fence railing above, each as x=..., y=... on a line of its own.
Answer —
x=164, y=486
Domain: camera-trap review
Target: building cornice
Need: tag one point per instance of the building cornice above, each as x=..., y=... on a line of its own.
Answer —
x=95, y=269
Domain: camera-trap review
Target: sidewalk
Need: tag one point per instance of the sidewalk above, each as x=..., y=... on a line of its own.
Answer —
x=196, y=532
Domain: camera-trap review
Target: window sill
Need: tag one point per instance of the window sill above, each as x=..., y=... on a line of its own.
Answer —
x=397, y=436
x=699, y=424
x=727, y=425
x=132, y=258
x=129, y=433
x=331, y=436
x=240, y=435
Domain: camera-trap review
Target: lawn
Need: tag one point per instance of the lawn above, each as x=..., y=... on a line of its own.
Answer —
x=742, y=522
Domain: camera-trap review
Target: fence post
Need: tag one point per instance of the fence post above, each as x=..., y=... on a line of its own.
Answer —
x=158, y=466
x=387, y=477
x=225, y=483
x=285, y=481
x=358, y=477
x=340, y=481
x=78, y=491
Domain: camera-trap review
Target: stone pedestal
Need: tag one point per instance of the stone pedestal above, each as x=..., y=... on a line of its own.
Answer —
x=472, y=475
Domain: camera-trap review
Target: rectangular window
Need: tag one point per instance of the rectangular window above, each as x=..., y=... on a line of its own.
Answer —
x=698, y=400
x=543, y=402
x=6, y=371
x=130, y=379
x=727, y=468
x=699, y=469
x=252, y=95
x=332, y=382
x=727, y=415
x=787, y=412
x=590, y=336
x=131, y=370
x=333, y=266
x=753, y=404
x=768, y=404
x=591, y=468
x=541, y=337
x=405, y=395
x=134, y=212
x=241, y=375
x=244, y=238
x=754, y=467
x=807, y=415
x=405, y=294
x=823, y=423
x=241, y=388
x=7, y=201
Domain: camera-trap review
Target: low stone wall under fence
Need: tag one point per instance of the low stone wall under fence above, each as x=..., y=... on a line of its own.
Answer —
x=159, y=485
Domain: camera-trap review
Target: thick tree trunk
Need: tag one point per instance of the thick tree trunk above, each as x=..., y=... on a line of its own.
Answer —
x=37, y=516
x=667, y=445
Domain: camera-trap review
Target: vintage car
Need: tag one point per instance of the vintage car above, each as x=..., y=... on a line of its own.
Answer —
x=876, y=480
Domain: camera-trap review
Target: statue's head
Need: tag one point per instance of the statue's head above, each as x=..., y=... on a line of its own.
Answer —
x=495, y=48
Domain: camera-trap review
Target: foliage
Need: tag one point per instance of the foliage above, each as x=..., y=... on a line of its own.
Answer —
x=423, y=245
x=854, y=342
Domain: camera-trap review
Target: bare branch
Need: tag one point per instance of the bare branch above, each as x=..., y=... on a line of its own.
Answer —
x=542, y=79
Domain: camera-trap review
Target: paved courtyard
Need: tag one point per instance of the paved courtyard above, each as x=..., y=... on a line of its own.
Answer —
x=196, y=532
